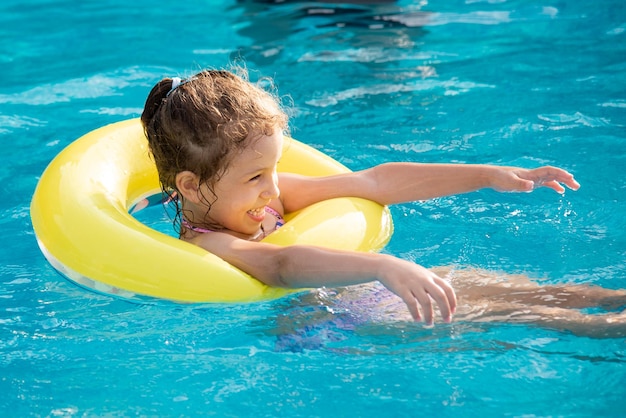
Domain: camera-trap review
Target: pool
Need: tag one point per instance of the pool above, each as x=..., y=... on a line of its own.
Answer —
x=504, y=82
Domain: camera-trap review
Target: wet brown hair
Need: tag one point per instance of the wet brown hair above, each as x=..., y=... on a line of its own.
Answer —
x=200, y=125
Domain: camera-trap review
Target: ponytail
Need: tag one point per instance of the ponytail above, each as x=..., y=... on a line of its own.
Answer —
x=155, y=99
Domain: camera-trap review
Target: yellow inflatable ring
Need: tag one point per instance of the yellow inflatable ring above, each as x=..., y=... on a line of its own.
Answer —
x=80, y=215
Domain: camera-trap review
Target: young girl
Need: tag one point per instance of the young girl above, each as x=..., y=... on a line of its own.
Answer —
x=216, y=139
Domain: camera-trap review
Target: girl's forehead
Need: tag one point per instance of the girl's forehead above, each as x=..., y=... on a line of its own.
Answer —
x=261, y=151
x=265, y=146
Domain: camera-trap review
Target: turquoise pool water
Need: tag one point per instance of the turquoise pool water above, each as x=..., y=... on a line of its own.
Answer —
x=505, y=82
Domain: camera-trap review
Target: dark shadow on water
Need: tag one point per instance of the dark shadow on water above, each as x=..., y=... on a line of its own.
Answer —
x=355, y=23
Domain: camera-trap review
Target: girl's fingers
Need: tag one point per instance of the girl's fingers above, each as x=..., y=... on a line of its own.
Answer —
x=419, y=296
x=439, y=296
x=450, y=297
x=427, y=307
x=554, y=185
x=441, y=293
x=552, y=177
x=411, y=303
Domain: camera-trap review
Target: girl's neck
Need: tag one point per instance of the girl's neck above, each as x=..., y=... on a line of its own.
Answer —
x=263, y=231
x=196, y=230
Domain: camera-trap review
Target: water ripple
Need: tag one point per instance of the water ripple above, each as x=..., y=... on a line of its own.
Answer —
x=451, y=87
x=437, y=19
x=370, y=54
x=614, y=103
x=568, y=121
x=95, y=86
x=8, y=123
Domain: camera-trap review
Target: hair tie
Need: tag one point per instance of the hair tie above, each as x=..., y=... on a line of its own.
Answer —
x=176, y=81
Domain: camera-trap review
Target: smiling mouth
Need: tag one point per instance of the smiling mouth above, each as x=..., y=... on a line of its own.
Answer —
x=257, y=214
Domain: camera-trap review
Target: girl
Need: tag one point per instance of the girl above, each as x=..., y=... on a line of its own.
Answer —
x=216, y=139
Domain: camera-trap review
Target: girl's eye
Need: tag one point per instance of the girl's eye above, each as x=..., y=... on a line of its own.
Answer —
x=258, y=176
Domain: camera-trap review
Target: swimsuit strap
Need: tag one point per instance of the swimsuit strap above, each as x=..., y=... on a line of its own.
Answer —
x=279, y=222
x=187, y=225
x=279, y=219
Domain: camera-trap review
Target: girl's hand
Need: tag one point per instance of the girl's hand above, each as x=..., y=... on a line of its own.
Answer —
x=513, y=179
x=418, y=287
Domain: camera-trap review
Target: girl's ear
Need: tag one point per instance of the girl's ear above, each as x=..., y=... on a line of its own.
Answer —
x=188, y=185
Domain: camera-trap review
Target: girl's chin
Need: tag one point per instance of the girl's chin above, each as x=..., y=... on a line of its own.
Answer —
x=251, y=229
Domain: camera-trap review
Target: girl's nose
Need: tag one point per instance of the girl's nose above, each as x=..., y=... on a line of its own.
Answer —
x=272, y=191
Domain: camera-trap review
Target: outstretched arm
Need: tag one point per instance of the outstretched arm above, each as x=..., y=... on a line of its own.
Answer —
x=404, y=182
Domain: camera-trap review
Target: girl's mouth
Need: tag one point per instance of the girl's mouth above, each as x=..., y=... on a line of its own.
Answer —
x=257, y=214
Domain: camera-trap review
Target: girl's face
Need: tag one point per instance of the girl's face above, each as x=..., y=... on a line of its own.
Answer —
x=249, y=184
